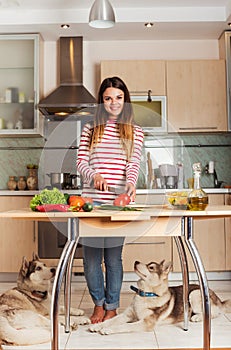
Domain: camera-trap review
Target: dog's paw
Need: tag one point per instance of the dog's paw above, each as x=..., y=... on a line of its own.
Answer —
x=74, y=326
x=82, y=320
x=105, y=331
x=196, y=318
x=95, y=327
x=76, y=312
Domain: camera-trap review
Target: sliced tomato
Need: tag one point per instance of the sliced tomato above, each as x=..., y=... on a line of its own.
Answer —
x=88, y=199
x=122, y=200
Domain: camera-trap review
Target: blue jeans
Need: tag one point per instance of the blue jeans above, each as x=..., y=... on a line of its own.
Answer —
x=94, y=250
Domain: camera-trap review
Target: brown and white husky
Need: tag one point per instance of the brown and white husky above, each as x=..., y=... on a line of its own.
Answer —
x=25, y=309
x=157, y=303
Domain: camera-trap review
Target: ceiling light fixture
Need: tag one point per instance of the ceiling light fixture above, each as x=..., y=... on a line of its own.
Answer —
x=148, y=25
x=101, y=14
x=65, y=26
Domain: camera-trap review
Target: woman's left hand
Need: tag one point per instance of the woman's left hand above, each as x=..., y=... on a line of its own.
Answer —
x=131, y=191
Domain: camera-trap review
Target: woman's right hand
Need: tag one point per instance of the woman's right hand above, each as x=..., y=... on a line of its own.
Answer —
x=100, y=183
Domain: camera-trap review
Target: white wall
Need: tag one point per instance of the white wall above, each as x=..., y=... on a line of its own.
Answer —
x=96, y=51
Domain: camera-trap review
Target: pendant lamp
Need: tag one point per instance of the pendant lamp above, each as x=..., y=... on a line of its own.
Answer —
x=101, y=14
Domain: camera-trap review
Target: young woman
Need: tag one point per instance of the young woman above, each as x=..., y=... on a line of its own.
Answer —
x=109, y=156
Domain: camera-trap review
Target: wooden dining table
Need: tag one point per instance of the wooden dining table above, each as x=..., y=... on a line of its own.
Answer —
x=148, y=221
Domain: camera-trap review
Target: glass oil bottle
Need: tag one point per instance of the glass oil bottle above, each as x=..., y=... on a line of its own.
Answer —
x=197, y=198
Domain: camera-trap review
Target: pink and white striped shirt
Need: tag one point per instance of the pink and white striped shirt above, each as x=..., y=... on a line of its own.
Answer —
x=109, y=159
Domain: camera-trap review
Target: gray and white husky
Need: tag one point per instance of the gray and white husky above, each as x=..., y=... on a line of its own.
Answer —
x=25, y=309
x=157, y=303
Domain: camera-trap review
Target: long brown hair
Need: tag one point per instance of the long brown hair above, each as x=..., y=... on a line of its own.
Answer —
x=125, y=121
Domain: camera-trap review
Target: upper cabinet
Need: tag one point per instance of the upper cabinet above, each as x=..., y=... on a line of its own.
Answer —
x=139, y=76
x=196, y=96
x=195, y=90
x=19, y=84
x=225, y=53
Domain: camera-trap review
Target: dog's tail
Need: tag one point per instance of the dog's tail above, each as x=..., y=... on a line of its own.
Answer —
x=23, y=336
x=226, y=305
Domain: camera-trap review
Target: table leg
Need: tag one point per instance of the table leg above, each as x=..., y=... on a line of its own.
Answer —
x=67, y=284
x=61, y=269
x=202, y=280
x=184, y=269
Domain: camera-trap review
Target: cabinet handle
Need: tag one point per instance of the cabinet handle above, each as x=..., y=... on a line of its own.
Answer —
x=200, y=128
x=140, y=243
x=34, y=232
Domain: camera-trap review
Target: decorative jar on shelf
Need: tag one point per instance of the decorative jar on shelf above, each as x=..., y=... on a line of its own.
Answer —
x=21, y=184
x=12, y=183
x=32, y=179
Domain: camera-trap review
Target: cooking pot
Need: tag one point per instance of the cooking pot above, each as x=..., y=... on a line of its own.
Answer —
x=75, y=181
x=60, y=180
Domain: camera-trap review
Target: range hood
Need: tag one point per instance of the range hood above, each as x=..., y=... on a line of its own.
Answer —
x=70, y=96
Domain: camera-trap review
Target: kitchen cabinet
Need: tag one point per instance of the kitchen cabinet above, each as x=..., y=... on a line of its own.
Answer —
x=195, y=89
x=210, y=238
x=225, y=53
x=196, y=96
x=18, y=237
x=147, y=249
x=20, y=84
x=139, y=75
x=228, y=235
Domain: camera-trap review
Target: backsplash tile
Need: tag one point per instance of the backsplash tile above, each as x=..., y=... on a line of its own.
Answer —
x=205, y=148
x=14, y=157
x=189, y=149
x=16, y=153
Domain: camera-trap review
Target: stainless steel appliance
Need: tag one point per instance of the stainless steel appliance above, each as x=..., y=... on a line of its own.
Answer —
x=169, y=175
x=58, y=158
x=60, y=153
x=150, y=113
x=70, y=96
x=51, y=240
x=65, y=112
x=60, y=180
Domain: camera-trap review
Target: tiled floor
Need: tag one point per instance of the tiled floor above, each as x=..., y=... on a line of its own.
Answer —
x=163, y=337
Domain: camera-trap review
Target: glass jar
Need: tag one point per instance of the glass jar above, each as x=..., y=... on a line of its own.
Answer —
x=197, y=198
x=12, y=183
x=21, y=184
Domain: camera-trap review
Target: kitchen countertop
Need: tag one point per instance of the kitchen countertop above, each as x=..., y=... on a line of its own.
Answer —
x=138, y=191
x=163, y=191
x=146, y=214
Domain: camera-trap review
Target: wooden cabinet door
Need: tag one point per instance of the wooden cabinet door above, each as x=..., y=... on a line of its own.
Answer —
x=196, y=95
x=209, y=236
x=139, y=76
x=146, y=250
x=18, y=237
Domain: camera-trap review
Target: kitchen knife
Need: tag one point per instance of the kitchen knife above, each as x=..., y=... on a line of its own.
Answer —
x=116, y=189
